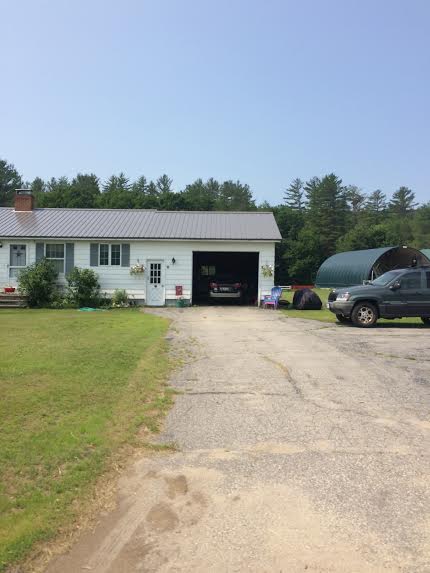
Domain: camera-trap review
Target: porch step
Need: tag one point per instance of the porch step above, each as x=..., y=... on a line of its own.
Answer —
x=12, y=300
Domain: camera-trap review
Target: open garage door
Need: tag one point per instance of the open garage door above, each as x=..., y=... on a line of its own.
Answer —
x=212, y=267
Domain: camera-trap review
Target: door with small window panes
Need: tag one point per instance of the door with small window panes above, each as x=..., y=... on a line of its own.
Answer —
x=155, y=284
x=17, y=261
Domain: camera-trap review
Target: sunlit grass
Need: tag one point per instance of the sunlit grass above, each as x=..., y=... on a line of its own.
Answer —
x=74, y=387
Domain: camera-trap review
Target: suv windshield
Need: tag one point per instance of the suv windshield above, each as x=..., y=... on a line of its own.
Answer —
x=386, y=278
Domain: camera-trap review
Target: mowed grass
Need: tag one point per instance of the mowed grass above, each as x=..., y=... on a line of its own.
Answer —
x=74, y=387
x=324, y=315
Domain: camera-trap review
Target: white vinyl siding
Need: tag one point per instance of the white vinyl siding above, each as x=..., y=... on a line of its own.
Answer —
x=175, y=274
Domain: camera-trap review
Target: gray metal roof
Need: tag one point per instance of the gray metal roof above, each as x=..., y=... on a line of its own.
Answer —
x=137, y=224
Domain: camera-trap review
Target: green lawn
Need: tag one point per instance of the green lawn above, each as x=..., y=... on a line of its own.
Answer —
x=74, y=387
x=324, y=315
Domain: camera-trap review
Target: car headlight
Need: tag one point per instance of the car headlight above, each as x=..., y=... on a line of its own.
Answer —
x=343, y=296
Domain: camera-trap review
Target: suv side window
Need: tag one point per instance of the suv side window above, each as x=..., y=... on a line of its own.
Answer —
x=428, y=279
x=411, y=280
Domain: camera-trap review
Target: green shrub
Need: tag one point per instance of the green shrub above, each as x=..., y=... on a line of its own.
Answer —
x=83, y=287
x=120, y=298
x=37, y=283
x=61, y=300
x=105, y=300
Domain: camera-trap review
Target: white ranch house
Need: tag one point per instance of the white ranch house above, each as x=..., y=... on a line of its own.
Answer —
x=179, y=250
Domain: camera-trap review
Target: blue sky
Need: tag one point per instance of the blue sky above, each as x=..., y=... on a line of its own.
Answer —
x=233, y=89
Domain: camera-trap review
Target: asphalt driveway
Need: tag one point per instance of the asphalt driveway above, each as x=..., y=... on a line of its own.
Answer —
x=301, y=446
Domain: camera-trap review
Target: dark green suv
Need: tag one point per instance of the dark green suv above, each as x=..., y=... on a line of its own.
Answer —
x=395, y=294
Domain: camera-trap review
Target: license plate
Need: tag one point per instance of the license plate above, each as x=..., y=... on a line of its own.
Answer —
x=224, y=289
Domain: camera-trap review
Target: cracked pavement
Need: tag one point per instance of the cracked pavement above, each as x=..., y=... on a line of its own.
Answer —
x=300, y=446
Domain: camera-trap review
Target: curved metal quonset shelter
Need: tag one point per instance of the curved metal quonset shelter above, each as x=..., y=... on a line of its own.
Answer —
x=354, y=267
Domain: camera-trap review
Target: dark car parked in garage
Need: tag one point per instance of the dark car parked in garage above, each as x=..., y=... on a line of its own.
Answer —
x=227, y=287
x=396, y=294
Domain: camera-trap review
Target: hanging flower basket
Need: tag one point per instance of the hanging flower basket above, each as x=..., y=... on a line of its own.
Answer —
x=137, y=269
x=267, y=270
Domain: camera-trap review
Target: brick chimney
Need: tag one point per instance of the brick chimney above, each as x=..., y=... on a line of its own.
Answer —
x=24, y=200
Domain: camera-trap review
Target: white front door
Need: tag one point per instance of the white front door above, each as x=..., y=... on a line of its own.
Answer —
x=17, y=261
x=155, y=284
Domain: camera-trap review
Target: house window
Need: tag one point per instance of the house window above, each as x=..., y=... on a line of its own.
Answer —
x=109, y=255
x=18, y=260
x=104, y=255
x=54, y=252
x=115, y=255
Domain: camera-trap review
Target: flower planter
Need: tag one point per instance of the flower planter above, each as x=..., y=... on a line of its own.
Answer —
x=9, y=289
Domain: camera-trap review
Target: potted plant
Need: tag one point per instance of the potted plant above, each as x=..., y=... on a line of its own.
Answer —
x=137, y=269
x=267, y=270
x=180, y=302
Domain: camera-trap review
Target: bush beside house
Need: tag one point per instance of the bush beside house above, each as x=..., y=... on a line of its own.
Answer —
x=83, y=287
x=38, y=283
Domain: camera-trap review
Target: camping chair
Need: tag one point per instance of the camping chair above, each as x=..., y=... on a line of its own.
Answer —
x=273, y=298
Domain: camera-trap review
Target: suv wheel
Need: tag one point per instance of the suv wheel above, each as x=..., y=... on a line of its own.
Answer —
x=364, y=314
x=342, y=319
x=426, y=320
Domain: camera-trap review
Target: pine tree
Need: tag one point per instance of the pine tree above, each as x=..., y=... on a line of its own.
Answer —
x=84, y=191
x=116, y=183
x=164, y=184
x=356, y=198
x=294, y=195
x=235, y=196
x=403, y=201
x=141, y=185
x=376, y=202
x=10, y=180
x=328, y=211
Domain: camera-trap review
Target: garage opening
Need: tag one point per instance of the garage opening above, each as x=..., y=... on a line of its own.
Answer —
x=224, y=269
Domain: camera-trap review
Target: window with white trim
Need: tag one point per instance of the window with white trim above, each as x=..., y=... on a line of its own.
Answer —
x=109, y=255
x=103, y=254
x=115, y=255
x=54, y=252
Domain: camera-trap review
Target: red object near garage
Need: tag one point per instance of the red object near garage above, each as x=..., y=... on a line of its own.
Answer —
x=178, y=290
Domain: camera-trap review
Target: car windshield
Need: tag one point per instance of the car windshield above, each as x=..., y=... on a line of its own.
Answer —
x=386, y=278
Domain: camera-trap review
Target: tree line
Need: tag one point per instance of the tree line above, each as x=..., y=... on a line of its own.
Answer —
x=317, y=218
